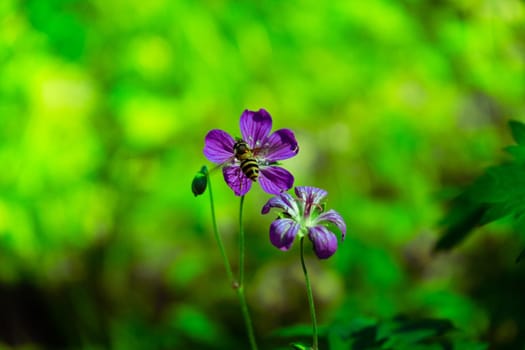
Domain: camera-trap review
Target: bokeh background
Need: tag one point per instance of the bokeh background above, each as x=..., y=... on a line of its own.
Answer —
x=104, y=106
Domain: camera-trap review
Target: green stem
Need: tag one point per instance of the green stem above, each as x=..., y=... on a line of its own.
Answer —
x=246, y=316
x=227, y=265
x=315, y=345
x=237, y=285
x=241, y=243
x=240, y=289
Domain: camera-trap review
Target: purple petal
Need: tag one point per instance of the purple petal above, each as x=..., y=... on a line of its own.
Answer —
x=218, y=146
x=274, y=179
x=335, y=218
x=280, y=145
x=311, y=195
x=283, y=232
x=324, y=241
x=283, y=201
x=238, y=182
x=255, y=127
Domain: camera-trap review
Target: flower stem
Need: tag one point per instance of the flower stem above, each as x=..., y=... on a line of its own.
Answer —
x=246, y=316
x=218, y=238
x=240, y=288
x=315, y=345
x=241, y=243
x=237, y=285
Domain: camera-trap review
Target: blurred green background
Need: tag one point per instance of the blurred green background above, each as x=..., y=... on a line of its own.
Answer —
x=104, y=106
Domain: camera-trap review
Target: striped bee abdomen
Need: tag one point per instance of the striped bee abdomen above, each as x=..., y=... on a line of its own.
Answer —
x=250, y=168
x=249, y=165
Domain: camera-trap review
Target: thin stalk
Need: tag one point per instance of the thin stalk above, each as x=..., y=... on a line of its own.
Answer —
x=218, y=238
x=315, y=345
x=246, y=316
x=240, y=288
x=241, y=243
x=237, y=285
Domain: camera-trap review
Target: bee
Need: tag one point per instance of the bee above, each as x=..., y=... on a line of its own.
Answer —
x=244, y=154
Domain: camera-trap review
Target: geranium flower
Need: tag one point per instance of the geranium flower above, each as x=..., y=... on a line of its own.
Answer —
x=305, y=216
x=263, y=148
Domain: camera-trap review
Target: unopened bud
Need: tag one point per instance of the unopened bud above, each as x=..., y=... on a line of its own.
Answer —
x=200, y=181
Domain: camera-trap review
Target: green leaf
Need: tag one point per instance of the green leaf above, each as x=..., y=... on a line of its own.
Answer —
x=402, y=333
x=293, y=331
x=408, y=339
x=517, y=151
x=521, y=256
x=518, y=131
x=463, y=217
x=299, y=346
x=498, y=193
x=437, y=325
x=466, y=345
x=495, y=212
x=342, y=335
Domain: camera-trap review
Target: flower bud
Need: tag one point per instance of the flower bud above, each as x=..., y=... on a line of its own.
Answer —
x=200, y=181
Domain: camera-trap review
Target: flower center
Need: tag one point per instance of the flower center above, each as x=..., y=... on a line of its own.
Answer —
x=309, y=214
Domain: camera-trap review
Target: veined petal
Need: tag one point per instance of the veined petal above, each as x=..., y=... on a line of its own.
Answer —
x=312, y=195
x=255, y=127
x=335, y=218
x=280, y=145
x=238, y=182
x=324, y=241
x=218, y=146
x=283, y=232
x=274, y=179
x=282, y=201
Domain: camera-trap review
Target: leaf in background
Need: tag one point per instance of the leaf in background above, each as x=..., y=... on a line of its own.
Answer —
x=521, y=256
x=340, y=334
x=403, y=332
x=406, y=332
x=438, y=326
x=518, y=131
x=299, y=346
x=293, y=331
x=498, y=193
x=461, y=219
x=297, y=336
x=518, y=152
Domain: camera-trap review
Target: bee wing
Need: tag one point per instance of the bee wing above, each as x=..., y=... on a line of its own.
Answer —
x=227, y=162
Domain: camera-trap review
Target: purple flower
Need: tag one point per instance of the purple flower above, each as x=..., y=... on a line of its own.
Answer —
x=305, y=216
x=255, y=155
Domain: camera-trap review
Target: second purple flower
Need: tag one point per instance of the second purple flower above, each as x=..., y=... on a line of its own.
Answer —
x=305, y=216
x=254, y=157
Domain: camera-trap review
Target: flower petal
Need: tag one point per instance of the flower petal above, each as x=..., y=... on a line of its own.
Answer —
x=255, y=127
x=274, y=179
x=312, y=195
x=218, y=146
x=283, y=232
x=280, y=145
x=324, y=241
x=238, y=182
x=335, y=218
x=283, y=201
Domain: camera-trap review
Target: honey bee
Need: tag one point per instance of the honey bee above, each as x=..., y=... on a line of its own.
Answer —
x=244, y=154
